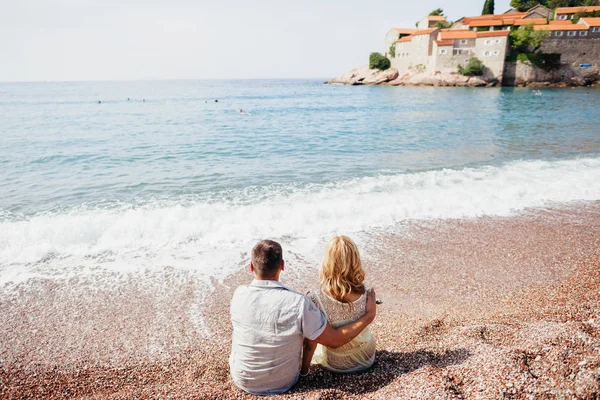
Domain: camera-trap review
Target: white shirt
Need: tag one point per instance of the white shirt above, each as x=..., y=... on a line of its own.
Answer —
x=270, y=322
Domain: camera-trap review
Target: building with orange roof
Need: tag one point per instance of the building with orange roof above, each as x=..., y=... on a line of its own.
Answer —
x=560, y=22
x=394, y=35
x=538, y=15
x=521, y=22
x=415, y=50
x=455, y=47
x=539, y=12
x=430, y=21
x=590, y=22
x=563, y=13
x=486, y=37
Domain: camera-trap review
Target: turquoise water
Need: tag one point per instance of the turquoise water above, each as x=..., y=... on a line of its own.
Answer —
x=171, y=177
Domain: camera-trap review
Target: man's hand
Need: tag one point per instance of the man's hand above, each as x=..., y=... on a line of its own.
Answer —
x=371, y=310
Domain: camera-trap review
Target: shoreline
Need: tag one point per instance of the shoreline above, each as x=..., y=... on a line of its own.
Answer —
x=363, y=76
x=484, y=308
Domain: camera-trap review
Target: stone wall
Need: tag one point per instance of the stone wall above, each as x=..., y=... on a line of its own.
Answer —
x=578, y=51
x=523, y=74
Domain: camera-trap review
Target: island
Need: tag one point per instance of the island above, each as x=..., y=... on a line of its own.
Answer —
x=536, y=47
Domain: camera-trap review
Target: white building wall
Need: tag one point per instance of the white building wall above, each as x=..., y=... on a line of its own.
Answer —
x=390, y=38
x=492, y=51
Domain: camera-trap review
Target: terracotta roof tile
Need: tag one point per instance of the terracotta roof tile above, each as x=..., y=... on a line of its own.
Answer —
x=514, y=15
x=406, y=31
x=492, y=34
x=444, y=42
x=591, y=21
x=536, y=21
x=572, y=27
x=561, y=22
x=404, y=39
x=497, y=17
x=485, y=22
x=424, y=31
x=436, y=18
x=451, y=35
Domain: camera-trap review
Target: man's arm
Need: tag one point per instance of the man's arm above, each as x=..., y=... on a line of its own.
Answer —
x=309, y=349
x=336, y=337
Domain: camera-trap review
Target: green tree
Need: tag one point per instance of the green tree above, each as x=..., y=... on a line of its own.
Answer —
x=437, y=11
x=578, y=16
x=443, y=24
x=526, y=38
x=524, y=5
x=553, y=4
x=393, y=50
x=488, y=7
x=379, y=61
x=474, y=67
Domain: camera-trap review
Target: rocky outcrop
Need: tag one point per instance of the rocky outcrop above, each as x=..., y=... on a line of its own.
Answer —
x=391, y=77
x=365, y=76
x=524, y=74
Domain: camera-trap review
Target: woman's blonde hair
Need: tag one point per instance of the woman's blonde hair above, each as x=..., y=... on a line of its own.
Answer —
x=341, y=270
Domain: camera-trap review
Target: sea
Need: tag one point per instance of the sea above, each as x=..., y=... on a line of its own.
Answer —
x=129, y=177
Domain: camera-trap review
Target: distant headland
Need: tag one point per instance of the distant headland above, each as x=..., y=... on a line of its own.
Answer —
x=539, y=46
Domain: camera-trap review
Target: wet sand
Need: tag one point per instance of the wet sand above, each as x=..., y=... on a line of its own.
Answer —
x=482, y=308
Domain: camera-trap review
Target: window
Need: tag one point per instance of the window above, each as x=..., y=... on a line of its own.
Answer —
x=583, y=33
x=443, y=51
x=463, y=41
x=572, y=33
x=457, y=52
x=497, y=41
x=558, y=33
x=562, y=17
x=489, y=42
x=596, y=29
x=496, y=52
x=487, y=54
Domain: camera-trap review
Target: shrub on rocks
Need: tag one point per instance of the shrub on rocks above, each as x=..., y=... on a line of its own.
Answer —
x=474, y=67
x=379, y=61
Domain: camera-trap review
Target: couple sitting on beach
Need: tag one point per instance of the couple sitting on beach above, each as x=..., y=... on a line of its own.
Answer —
x=277, y=332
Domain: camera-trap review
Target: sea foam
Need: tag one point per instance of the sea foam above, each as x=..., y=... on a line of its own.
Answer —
x=212, y=238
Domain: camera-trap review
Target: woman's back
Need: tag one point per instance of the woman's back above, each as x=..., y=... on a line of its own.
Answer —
x=356, y=355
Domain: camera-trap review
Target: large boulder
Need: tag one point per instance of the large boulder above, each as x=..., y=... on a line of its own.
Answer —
x=476, y=81
x=350, y=77
x=578, y=81
x=377, y=77
x=422, y=79
x=365, y=76
x=452, y=79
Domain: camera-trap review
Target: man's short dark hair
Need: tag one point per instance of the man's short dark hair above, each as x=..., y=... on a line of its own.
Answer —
x=266, y=258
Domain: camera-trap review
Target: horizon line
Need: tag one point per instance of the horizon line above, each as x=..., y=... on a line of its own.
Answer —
x=159, y=79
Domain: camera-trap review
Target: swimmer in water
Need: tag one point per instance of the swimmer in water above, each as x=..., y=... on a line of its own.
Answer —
x=242, y=112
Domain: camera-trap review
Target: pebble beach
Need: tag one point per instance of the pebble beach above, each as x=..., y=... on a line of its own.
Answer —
x=482, y=308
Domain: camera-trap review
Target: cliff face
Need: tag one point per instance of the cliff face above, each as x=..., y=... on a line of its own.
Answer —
x=524, y=74
x=390, y=77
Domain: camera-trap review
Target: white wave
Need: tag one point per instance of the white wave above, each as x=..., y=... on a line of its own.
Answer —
x=213, y=239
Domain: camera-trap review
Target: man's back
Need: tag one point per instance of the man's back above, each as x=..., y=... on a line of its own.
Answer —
x=270, y=323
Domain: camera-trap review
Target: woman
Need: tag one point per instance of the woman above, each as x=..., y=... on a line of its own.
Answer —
x=342, y=296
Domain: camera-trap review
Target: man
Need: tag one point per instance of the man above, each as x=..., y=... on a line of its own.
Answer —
x=270, y=322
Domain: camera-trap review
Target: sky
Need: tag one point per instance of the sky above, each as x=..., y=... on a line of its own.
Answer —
x=78, y=40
